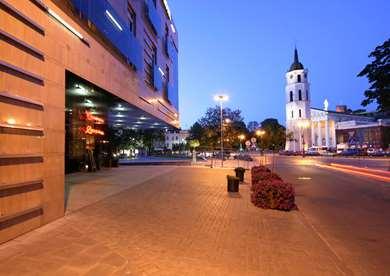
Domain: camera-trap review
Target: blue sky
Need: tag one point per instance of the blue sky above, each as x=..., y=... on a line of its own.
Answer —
x=245, y=48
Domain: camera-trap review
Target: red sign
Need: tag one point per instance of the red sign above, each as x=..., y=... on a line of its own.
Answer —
x=92, y=118
x=92, y=131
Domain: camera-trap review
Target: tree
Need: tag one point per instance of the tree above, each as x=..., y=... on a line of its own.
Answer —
x=378, y=74
x=253, y=126
x=194, y=143
x=275, y=134
x=208, y=128
x=196, y=132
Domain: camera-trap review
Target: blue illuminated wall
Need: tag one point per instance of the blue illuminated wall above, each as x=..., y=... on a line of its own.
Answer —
x=117, y=31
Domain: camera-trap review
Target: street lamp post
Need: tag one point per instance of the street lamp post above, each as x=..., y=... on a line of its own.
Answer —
x=241, y=137
x=221, y=99
x=303, y=124
x=260, y=133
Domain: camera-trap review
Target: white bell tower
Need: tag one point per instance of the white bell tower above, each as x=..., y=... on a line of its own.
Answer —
x=298, y=121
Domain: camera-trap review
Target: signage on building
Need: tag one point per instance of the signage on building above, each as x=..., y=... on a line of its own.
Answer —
x=88, y=116
x=92, y=131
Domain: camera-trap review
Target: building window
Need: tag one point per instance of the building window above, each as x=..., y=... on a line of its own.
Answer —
x=299, y=78
x=300, y=94
x=166, y=40
x=300, y=113
x=132, y=19
x=292, y=114
x=307, y=95
x=150, y=59
x=291, y=96
x=166, y=83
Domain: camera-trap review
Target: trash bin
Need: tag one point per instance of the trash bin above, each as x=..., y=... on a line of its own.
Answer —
x=233, y=184
x=240, y=172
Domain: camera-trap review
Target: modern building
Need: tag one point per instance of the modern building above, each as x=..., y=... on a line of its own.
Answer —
x=74, y=74
x=324, y=124
x=363, y=135
x=307, y=126
x=176, y=138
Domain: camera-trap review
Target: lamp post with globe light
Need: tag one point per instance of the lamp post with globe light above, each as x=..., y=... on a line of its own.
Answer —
x=220, y=99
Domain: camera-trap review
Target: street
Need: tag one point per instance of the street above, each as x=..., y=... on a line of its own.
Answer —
x=351, y=213
x=180, y=221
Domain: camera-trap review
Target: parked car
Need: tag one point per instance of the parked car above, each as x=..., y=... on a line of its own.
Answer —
x=371, y=151
x=312, y=152
x=245, y=157
x=286, y=152
x=349, y=152
x=380, y=153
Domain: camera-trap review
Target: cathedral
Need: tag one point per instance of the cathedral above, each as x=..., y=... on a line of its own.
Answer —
x=306, y=126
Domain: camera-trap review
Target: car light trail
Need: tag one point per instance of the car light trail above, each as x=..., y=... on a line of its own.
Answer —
x=355, y=171
x=386, y=173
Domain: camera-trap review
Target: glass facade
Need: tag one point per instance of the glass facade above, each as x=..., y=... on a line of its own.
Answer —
x=368, y=137
x=122, y=35
x=94, y=120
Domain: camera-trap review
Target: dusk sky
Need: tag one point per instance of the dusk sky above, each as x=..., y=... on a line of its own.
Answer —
x=245, y=48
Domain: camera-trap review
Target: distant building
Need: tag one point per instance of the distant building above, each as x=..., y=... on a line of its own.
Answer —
x=176, y=138
x=357, y=134
x=307, y=126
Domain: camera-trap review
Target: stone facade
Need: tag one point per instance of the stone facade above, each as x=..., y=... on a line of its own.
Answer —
x=41, y=41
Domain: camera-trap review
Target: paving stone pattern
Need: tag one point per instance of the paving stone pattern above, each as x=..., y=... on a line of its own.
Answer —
x=182, y=222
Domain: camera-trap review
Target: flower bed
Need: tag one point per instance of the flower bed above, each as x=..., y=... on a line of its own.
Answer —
x=269, y=191
x=258, y=178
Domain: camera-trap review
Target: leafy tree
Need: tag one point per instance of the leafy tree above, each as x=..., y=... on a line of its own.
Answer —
x=196, y=132
x=253, y=126
x=194, y=143
x=378, y=74
x=275, y=134
x=208, y=128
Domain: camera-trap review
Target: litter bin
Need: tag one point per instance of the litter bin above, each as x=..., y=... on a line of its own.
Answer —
x=233, y=184
x=240, y=172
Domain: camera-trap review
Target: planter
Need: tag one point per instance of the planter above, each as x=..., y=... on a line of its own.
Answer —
x=240, y=172
x=233, y=184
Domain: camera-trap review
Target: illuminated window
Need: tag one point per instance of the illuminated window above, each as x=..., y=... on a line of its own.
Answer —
x=132, y=19
x=150, y=59
x=291, y=96
x=165, y=78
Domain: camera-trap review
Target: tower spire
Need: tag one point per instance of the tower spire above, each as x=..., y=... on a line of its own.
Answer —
x=296, y=58
x=296, y=65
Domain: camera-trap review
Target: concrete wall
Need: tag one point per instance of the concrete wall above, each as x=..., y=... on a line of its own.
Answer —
x=35, y=51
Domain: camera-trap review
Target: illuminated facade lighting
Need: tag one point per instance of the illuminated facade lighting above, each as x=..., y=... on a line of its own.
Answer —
x=11, y=121
x=173, y=28
x=63, y=22
x=161, y=71
x=113, y=20
x=166, y=6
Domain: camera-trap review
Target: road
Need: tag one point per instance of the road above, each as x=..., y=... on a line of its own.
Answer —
x=351, y=213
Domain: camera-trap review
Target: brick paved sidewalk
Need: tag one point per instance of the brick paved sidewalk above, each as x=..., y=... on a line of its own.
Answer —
x=180, y=223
